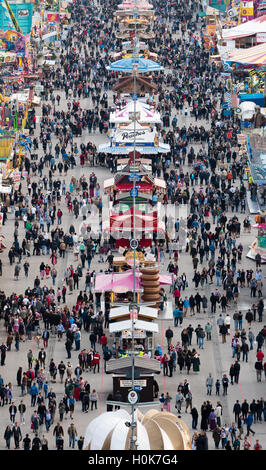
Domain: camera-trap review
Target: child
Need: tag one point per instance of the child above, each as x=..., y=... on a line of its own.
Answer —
x=217, y=386
x=162, y=400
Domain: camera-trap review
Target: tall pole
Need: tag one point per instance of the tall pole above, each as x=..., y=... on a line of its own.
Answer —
x=134, y=70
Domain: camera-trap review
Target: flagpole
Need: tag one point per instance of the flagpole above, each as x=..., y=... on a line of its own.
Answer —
x=134, y=70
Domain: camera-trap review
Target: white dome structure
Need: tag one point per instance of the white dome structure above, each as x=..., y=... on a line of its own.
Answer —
x=155, y=430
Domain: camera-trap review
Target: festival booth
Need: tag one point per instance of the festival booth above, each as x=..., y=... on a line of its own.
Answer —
x=122, y=185
x=253, y=56
x=120, y=285
x=22, y=13
x=125, y=260
x=256, y=147
x=142, y=65
x=123, y=139
x=144, y=85
x=15, y=54
x=127, y=164
x=145, y=113
x=121, y=326
x=209, y=33
x=7, y=141
x=259, y=244
x=245, y=35
x=129, y=6
x=120, y=225
x=146, y=369
x=14, y=114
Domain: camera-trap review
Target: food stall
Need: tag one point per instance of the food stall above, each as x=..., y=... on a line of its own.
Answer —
x=146, y=370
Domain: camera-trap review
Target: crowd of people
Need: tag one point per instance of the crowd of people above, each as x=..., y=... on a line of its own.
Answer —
x=204, y=170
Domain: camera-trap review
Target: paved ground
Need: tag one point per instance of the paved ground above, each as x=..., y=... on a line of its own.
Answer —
x=215, y=357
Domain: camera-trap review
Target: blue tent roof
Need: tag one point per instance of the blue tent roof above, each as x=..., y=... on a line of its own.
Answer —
x=126, y=65
x=162, y=148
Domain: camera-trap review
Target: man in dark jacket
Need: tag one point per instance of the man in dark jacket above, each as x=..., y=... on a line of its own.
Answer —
x=223, y=331
x=12, y=412
x=169, y=335
x=237, y=410
x=202, y=441
x=259, y=368
x=237, y=371
x=68, y=345
x=245, y=409
x=42, y=357
x=16, y=431
x=245, y=350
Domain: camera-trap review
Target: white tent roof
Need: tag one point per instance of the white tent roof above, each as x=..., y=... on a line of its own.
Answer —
x=127, y=325
x=98, y=429
x=258, y=25
x=125, y=150
x=109, y=183
x=160, y=182
x=147, y=311
x=148, y=114
x=247, y=109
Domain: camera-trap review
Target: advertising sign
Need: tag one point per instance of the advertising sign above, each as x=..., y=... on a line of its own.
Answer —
x=261, y=37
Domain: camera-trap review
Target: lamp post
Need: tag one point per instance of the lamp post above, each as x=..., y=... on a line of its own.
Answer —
x=135, y=56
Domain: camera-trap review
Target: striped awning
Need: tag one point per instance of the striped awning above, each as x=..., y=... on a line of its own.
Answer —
x=252, y=56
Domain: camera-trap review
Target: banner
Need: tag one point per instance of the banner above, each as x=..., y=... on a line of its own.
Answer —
x=53, y=18
x=126, y=137
x=218, y=4
x=246, y=11
x=261, y=37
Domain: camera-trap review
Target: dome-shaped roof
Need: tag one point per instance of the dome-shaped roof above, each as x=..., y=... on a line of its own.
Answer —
x=154, y=431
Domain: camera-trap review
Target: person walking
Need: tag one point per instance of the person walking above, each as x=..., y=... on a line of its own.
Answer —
x=44, y=443
x=245, y=351
x=223, y=332
x=45, y=337
x=26, y=442
x=72, y=434
x=259, y=369
x=179, y=398
x=195, y=416
x=60, y=442
x=188, y=400
x=249, y=422
x=12, y=412
x=257, y=445
x=208, y=330
x=164, y=361
x=16, y=432
x=34, y=393
x=236, y=371
x=7, y=436
x=167, y=402
x=209, y=384
x=36, y=442
x=237, y=410
x=246, y=444
x=22, y=410
x=93, y=399
x=216, y=434
x=58, y=431
x=169, y=336
x=71, y=405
